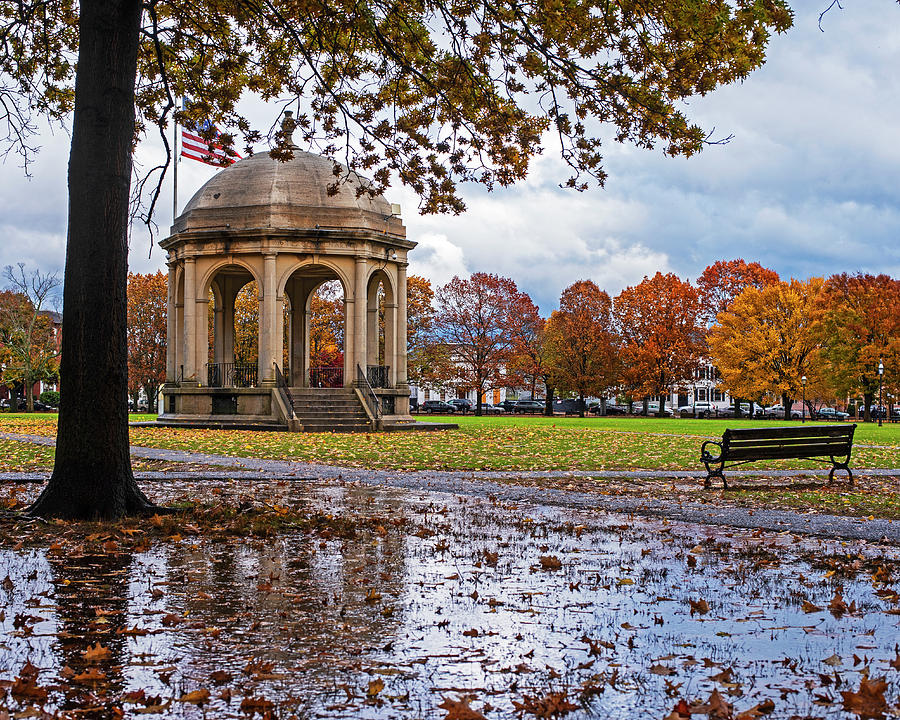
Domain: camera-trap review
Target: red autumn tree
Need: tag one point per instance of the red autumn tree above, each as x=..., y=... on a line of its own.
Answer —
x=860, y=328
x=529, y=362
x=146, y=334
x=472, y=320
x=720, y=283
x=583, y=343
x=662, y=341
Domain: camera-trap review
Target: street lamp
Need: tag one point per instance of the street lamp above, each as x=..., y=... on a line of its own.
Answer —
x=803, y=408
x=880, y=390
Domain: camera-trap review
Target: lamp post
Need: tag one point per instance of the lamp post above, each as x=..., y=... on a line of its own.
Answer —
x=880, y=390
x=803, y=408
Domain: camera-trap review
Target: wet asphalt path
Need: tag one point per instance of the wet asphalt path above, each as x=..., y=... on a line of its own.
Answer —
x=489, y=484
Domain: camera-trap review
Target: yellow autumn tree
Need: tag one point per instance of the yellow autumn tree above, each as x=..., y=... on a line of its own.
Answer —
x=768, y=340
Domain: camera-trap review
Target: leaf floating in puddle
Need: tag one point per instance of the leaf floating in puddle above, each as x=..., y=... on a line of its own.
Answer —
x=869, y=700
x=460, y=710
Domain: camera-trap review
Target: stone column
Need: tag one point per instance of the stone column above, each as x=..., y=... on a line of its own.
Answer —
x=390, y=340
x=267, y=322
x=171, y=323
x=189, y=355
x=201, y=339
x=359, y=321
x=219, y=326
x=229, y=294
x=372, y=325
x=400, y=332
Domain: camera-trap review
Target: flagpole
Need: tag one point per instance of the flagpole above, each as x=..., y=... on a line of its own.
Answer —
x=174, y=168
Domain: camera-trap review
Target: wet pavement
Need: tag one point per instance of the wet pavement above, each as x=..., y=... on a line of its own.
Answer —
x=428, y=602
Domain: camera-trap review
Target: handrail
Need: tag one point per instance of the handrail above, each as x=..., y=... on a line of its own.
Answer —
x=368, y=394
x=283, y=388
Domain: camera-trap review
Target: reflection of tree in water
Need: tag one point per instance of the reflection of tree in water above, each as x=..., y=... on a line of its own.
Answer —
x=91, y=596
x=312, y=603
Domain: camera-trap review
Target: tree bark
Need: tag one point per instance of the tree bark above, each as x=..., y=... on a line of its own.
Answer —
x=92, y=475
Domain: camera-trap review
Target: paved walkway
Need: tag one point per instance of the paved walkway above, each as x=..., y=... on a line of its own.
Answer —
x=483, y=483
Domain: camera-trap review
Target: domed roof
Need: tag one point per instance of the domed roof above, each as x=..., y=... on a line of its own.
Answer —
x=260, y=192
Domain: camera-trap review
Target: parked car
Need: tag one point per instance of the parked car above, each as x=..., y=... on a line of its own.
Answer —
x=461, y=404
x=776, y=412
x=652, y=409
x=827, y=413
x=529, y=406
x=569, y=406
x=614, y=409
x=488, y=409
x=728, y=412
x=698, y=410
x=438, y=406
x=508, y=405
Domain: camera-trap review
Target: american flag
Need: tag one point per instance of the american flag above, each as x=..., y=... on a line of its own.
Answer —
x=196, y=148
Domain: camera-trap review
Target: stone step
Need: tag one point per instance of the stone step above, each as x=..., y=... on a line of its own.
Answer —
x=329, y=427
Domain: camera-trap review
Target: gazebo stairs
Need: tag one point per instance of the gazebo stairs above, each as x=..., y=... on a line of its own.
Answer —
x=330, y=410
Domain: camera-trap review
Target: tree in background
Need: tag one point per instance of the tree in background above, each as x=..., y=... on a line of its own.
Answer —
x=147, y=309
x=583, y=343
x=406, y=88
x=419, y=321
x=532, y=355
x=246, y=325
x=720, y=283
x=28, y=341
x=472, y=319
x=768, y=340
x=860, y=328
x=326, y=326
x=662, y=339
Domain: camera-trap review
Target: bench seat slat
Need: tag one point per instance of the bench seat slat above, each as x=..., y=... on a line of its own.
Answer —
x=798, y=431
x=786, y=442
x=786, y=453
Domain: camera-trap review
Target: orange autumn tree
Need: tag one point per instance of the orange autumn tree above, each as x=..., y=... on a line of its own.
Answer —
x=419, y=322
x=583, y=344
x=662, y=341
x=720, y=283
x=472, y=322
x=768, y=340
x=861, y=328
x=326, y=326
x=146, y=335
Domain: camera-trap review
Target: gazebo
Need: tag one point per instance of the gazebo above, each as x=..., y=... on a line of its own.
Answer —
x=289, y=227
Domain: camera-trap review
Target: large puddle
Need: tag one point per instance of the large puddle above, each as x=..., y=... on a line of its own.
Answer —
x=444, y=603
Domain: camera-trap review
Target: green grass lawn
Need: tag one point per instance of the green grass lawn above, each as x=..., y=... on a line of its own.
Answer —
x=489, y=443
x=528, y=443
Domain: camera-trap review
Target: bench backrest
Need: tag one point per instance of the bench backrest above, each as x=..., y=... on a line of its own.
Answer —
x=787, y=442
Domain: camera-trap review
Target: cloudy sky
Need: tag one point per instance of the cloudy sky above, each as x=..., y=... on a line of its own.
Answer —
x=808, y=185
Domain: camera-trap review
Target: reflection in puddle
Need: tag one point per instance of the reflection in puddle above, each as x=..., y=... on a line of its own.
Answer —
x=444, y=600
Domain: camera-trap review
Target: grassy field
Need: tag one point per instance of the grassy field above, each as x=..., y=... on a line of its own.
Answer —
x=529, y=443
x=489, y=443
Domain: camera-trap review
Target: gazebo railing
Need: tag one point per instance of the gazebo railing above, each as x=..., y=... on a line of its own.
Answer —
x=326, y=377
x=232, y=374
x=379, y=376
x=372, y=400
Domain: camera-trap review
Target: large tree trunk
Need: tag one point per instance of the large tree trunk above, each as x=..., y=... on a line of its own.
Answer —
x=92, y=475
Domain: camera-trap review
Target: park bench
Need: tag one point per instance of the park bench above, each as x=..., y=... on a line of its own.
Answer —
x=799, y=442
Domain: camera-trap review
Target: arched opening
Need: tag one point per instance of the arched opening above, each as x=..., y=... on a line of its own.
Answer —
x=315, y=329
x=381, y=316
x=232, y=329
